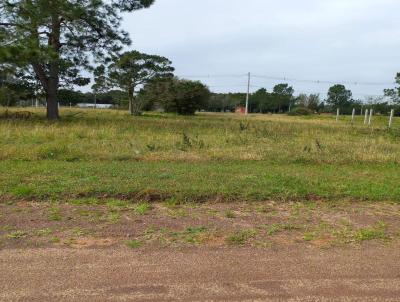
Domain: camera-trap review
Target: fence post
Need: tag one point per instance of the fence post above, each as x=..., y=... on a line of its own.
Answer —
x=391, y=118
x=370, y=117
x=337, y=114
x=366, y=117
x=353, y=115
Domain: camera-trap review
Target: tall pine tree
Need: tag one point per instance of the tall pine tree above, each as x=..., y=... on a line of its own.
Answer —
x=57, y=38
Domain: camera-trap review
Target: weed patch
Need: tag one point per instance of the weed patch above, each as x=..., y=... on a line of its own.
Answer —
x=241, y=237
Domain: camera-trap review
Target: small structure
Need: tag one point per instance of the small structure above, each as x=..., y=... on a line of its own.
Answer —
x=97, y=106
x=241, y=110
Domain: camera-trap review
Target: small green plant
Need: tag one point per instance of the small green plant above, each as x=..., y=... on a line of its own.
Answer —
x=49, y=152
x=43, y=232
x=309, y=236
x=171, y=203
x=55, y=240
x=78, y=232
x=177, y=212
x=114, y=204
x=230, y=214
x=348, y=235
x=243, y=126
x=151, y=147
x=54, y=214
x=241, y=237
x=84, y=201
x=186, y=141
x=133, y=244
x=143, y=208
x=17, y=235
x=192, y=234
x=273, y=229
x=377, y=231
x=114, y=217
x=22, y=191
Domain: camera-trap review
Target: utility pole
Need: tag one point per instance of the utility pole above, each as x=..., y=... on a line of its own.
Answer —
x=248, y=94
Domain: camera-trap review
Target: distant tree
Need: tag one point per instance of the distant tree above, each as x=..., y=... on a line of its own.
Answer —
x=259, y=101
x=100, y=81
x=57, y=38
x=183, y=97
x=379, y=104
x=311, y=102
x=283, y=97
x=394, y=93
x=133, y=69
x=14, y=86
x=314, y=102
x=116, y=97
x=339, y=97
x=217, y=103
x=69, y=96
x=187, y=97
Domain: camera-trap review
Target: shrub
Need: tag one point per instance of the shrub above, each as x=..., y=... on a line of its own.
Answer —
x=300, y=111
x=183, y=97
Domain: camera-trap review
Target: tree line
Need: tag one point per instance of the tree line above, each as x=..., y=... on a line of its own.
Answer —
x=283, y=100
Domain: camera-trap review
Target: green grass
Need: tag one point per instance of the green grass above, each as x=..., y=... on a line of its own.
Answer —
x=17, y=235
x=210, y=156
x=230, y=214
x=377, y=231
x=197, y=181
x=133, y=244
x=55, y=214
x=241, y=237
x=349, y=234
x=143, y=208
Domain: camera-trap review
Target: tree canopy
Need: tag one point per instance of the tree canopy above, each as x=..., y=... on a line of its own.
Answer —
x=339, y=96
x=132, y=69
x=55, y=39
x=394, y=94
x=175, y=95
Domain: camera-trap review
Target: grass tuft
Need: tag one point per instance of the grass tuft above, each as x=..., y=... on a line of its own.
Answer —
x=133, y=244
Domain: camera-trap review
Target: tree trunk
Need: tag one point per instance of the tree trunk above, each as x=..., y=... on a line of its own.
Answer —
x=134, y=107
x=52, y=105
x=54, y=69
x=131, y=106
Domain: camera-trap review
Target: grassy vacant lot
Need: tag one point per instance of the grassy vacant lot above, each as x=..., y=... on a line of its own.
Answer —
x=97, y=153
x=101, y=177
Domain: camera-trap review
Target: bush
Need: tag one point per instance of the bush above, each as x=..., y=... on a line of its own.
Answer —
x=300, y=111
x=176, y=96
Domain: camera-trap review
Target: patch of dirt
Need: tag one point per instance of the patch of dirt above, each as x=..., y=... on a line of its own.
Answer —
x=106, y=223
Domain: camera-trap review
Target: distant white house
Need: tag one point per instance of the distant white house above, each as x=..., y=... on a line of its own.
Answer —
x=97, y=106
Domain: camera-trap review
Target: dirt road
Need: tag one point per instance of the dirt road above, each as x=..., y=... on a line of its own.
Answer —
x=201, y=274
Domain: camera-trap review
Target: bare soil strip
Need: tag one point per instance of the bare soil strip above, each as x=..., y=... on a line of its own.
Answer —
x=200, y=274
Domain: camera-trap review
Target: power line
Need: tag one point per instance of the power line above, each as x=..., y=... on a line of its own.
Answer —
x=326, y=82
x=213, y=76
x=285, y=79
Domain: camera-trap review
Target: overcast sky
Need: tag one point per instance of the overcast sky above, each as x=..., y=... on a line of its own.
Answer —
x=326, y=40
